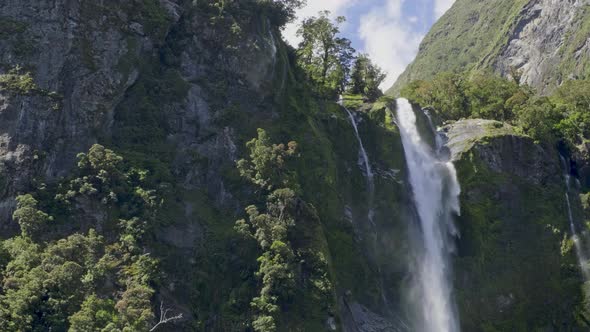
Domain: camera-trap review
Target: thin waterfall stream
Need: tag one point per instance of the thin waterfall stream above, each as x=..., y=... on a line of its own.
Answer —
x=368, y=172
x=580, y=252
x=365, y=163
x=436, y=192
x=365, y=157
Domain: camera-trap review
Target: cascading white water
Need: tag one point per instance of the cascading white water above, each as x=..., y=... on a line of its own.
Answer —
x=438, y=140
x=436, y=196
x=580, y=253
x=368, y=171
x=363, y=152
x=365, y=163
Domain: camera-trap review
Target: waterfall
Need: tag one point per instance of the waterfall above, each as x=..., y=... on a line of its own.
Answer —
x=363, y=153
x=436, y=197
x=364, y=163
x=437, y=138
x=580, y=253
x=368, y=172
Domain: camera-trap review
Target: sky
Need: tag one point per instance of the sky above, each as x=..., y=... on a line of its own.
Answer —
x=389, y=31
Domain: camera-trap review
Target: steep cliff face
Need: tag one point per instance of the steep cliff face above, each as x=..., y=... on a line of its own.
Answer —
x=514, y=233
x=96, y=76
x=550, y=43
x=542, y=42
x=82, y=58
x=178, y=91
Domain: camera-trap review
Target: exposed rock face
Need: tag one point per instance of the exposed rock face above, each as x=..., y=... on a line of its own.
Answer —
x=502, y=149
x=363, y=320
x=84, y=57
x=163, y=83
x=158, y=81
x=539, y=40
x=545, y=41
x=513, y=223
x=194, y=122
x=78, y=50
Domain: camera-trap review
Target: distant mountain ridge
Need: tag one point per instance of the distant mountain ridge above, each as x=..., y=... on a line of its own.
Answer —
x=545, y=41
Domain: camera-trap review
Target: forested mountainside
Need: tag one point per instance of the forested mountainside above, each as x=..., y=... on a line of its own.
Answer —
x=541, y=42
x=174, y=165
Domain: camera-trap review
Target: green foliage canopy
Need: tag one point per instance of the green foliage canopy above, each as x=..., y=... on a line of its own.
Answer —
x=564, y=115
x=323, y=55
x=366, y=78
x=273, y=229
x=101, y=279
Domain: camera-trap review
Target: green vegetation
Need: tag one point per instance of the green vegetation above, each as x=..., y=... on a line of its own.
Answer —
x=281, y=12
x=561, y=116
x=473, y=34
x=574, y=42
x=366, y=78
x=10, y=27
x=234, y=15
x=100, y=276
x=15, y=81
x=30, y=219
x=274, y=232
x=154, y=18
x=97, y=249
x=323, y=55
x=572, y=100
x=20, y=83
x=504, y=241
x=461, y=39
x=330, y=62
x=266, y=166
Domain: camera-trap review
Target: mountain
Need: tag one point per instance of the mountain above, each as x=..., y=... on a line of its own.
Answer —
x=170, y=159
x=544, y=42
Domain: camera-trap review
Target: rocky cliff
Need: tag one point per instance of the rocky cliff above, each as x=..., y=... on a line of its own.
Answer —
x=539, y=42
x=177, y=90
x=81, y=59
x=514, y=233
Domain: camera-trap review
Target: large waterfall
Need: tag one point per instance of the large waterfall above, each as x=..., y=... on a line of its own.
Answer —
x=436, y=196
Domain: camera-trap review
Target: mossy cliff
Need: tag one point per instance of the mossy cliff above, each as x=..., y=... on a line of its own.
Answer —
x=538, y=42
x=177, y=89
x=515, y=268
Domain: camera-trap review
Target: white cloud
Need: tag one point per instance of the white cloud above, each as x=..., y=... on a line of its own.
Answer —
x=388, y=36
x=389, y=39
x=395, y=8
x=336, y=7
x=441, y=7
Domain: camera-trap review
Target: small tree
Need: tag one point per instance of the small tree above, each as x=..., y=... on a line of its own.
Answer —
x=282, y=11
x=267, y=169
x=445, y=93
x=266, y=166
x=95, y=314
x=366, y=78
x=323, y=55
x=539, y=119
x=573, y=101
x=30, y=219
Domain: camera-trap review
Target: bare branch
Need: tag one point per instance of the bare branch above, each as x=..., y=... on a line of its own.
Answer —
x=163, y=317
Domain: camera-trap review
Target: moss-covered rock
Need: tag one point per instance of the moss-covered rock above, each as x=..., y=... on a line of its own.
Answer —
x=511, y=273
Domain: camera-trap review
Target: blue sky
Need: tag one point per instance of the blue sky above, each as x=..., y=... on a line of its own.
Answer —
x=390, y=31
